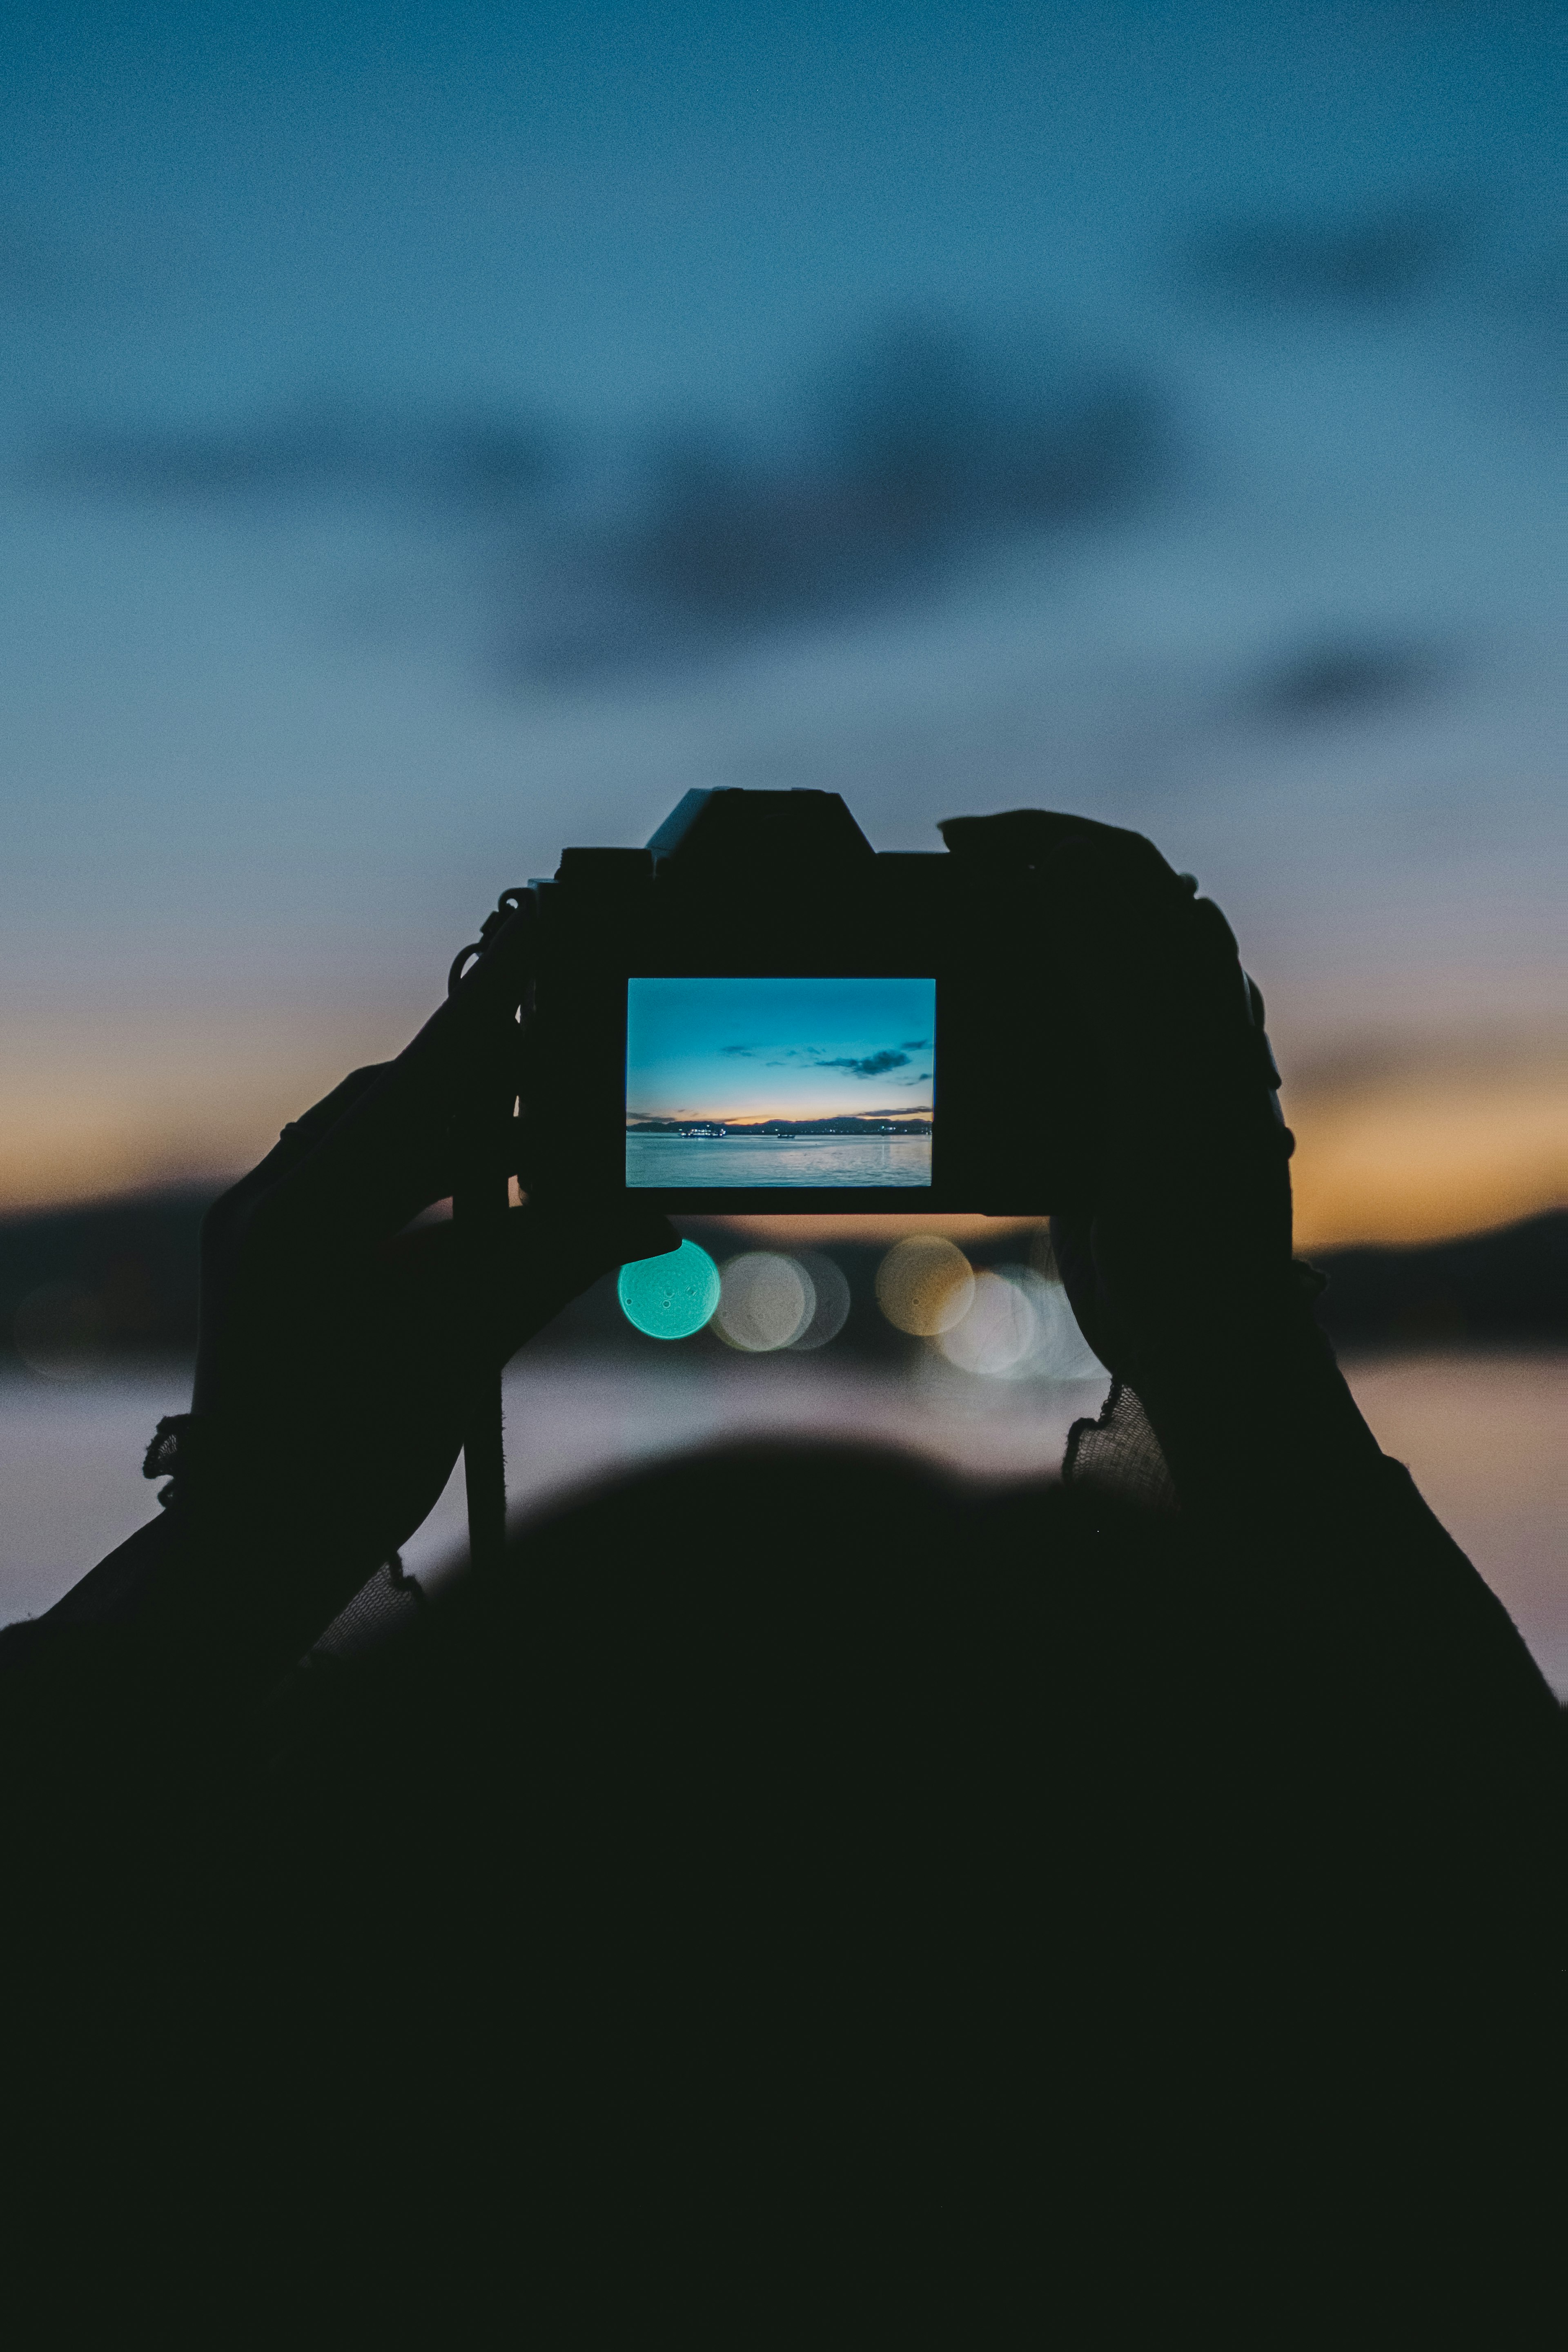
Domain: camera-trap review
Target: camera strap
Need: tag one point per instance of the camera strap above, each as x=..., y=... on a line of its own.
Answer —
x=484, y=1449
x=481, y=1201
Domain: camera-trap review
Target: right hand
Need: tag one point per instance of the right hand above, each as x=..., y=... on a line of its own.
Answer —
x=1187, y=1241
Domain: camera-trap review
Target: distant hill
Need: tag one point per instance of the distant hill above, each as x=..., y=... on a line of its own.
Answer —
x=1510, y=1284
x=847, y=1123
x=119, y=1280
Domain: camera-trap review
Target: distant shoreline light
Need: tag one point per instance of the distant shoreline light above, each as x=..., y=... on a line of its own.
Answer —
x=917, y=1119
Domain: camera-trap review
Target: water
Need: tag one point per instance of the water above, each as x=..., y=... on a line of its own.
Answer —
x=1481, y=1433
x=712, y=1162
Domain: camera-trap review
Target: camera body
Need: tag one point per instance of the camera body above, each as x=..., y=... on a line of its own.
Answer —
x=760, y=1012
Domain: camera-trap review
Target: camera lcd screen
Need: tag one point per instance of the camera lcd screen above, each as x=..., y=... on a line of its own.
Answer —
x=779, y=1083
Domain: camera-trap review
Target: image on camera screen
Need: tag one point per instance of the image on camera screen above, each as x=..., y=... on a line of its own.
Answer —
x=779, y=1082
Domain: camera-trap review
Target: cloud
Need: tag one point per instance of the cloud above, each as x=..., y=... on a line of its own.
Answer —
x=913, y=1045
x=482, y=461
x=871, y=1066
x=776, y=1060
x=865, y=1065
x=922, y=445
x=1374, y=259
x=871, y=482
x=1346, y=674
x=814, y=1057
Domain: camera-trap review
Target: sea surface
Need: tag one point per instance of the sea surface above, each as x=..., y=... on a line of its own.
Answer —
x=1482, y=1433
x=711, y=1162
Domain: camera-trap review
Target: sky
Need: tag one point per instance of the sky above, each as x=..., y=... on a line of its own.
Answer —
x=750, y=1049
x=434, y=435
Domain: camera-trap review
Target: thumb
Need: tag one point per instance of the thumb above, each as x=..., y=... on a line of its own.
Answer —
x=494, y=1289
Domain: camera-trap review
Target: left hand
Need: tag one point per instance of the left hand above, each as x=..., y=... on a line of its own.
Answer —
x=338, y=1350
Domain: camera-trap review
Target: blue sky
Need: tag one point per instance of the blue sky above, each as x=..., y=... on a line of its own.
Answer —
x=430, y=435
x=746, y=1049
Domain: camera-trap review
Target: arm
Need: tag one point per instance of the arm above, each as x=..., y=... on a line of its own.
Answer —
x=1181, y=1275
x=338, y=1354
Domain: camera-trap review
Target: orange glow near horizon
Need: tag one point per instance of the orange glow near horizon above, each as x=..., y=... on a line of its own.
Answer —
x=1420, y=1158
x=754, y=1118
x=1428, y=1157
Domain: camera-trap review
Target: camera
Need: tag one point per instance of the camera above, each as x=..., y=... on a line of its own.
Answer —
x=760, y=1012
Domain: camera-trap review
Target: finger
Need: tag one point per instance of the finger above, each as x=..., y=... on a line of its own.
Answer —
x=1108, y=903
x=1151, y=975
x=1031, y=840
x=300, y=1137
x=1155, y=973
x=542, y=1260
x=294, y=1147
x=490, y=1292
x=370, y=1170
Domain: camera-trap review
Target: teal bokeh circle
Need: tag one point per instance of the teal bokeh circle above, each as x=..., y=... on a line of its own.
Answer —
x=669, y=1298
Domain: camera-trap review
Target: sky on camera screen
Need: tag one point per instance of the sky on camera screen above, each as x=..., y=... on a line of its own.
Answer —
x=742, y=1052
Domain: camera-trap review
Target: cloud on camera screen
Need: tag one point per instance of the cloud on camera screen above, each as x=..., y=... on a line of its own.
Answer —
x=779, y=1082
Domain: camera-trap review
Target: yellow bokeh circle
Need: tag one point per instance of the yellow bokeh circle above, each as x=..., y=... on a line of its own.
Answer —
x=924, y=1286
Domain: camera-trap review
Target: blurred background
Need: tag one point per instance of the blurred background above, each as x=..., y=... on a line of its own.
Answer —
x=430, y=435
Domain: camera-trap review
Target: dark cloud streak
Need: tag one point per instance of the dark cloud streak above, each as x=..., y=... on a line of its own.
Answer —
x=923, y=444
x=919, y=447
x=870, y=1066
x=1371, y=260
x=865, y=1065
x=480, y=463
x=1348, y=675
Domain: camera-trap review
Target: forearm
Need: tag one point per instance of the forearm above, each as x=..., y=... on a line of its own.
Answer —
x=1276, y=1470
x=124, y=1710
x=1250, y=1407
x=200, y=1609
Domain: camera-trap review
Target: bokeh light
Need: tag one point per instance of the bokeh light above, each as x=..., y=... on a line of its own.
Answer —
x=1019, y=1326
x=924, y=1286
x=1061, y=1351
x=831, y=1312
x=669, y=1298
x=999, y=1331
x=766, y=1301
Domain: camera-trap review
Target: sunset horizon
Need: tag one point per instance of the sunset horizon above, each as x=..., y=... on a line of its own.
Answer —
x=794, y=1115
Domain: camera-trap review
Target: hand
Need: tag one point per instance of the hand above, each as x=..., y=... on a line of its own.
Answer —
x=339, y=1350
x=1179, y=1270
